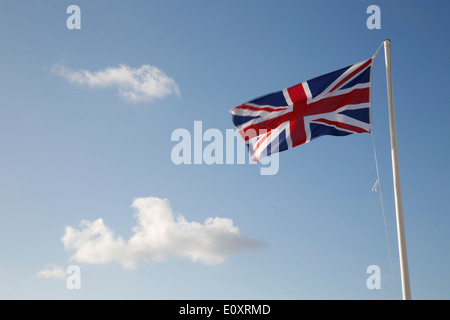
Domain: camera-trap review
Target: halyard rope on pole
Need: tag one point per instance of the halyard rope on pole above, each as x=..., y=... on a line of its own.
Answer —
x=376, y=186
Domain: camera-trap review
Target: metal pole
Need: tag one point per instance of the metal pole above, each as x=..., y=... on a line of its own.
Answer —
x=406, y=288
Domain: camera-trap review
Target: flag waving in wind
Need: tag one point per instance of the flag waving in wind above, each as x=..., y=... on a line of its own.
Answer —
x=337, y=103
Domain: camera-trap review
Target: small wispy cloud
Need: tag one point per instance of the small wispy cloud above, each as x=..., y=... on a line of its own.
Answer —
x=134, y=85
x=52, y=271
x=157, y=236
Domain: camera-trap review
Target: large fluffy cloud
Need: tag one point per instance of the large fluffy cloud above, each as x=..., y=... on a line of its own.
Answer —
x=157, y=236
x=134, y=85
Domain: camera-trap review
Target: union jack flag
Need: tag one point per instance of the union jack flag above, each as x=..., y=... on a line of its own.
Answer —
x=337, y=103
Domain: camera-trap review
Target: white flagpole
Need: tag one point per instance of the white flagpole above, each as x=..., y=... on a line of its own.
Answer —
x=396, y=173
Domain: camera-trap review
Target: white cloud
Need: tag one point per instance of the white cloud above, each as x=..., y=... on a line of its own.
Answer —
x=143, y=84
x=157, y=236
x=52, y=271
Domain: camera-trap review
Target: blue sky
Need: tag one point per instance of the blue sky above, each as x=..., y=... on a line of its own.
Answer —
x=74, y=151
